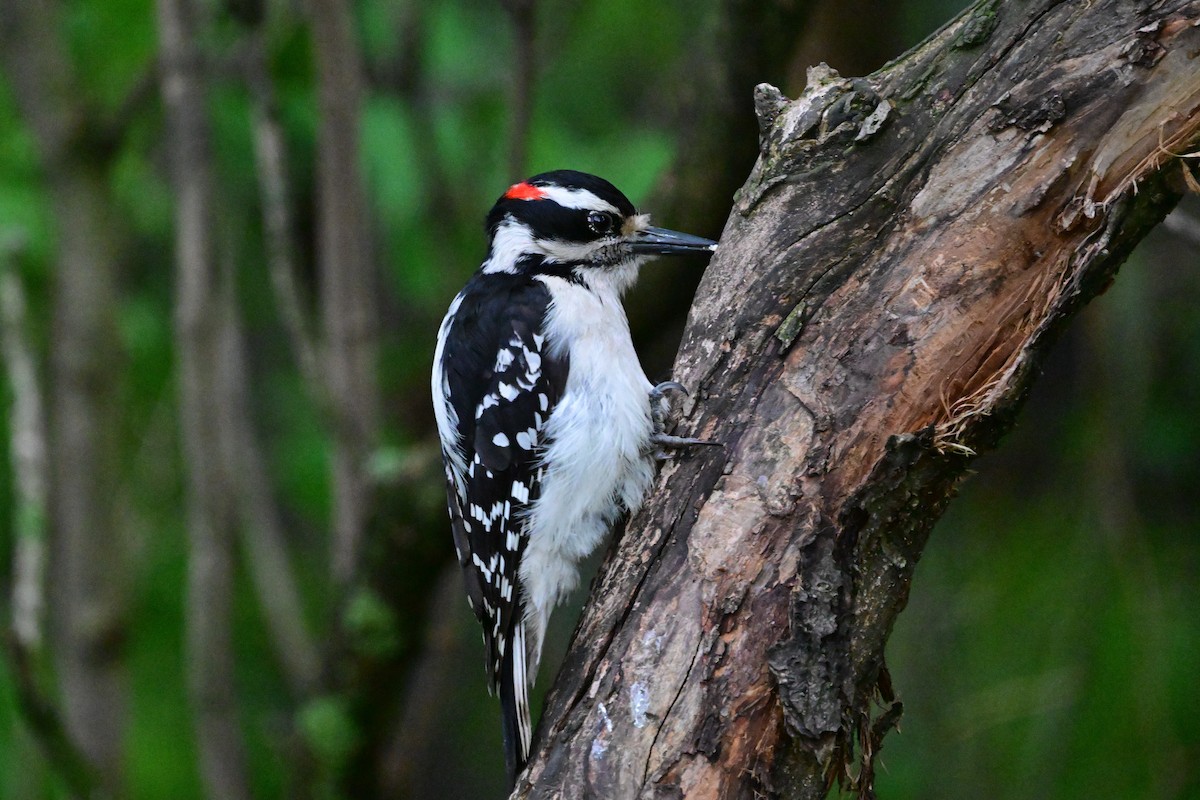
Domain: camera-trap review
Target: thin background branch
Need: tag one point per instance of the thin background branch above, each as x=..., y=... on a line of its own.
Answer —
x=27, y=431
x=28, y=438
x=263, y=538
x=270, y=156
x=44, y=719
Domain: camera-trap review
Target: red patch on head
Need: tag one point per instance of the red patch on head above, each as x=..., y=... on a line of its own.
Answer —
x=524, y=191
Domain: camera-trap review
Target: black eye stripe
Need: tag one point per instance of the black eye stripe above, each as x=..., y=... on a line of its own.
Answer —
x=549, y=220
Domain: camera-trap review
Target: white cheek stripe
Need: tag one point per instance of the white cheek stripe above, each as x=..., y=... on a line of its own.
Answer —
x=513, y=240
x=577, y=198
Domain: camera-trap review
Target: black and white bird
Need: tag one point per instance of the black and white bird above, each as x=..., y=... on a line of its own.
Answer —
x=549, y=428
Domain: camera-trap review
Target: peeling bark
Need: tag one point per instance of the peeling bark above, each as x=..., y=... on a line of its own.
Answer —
x=902, y=255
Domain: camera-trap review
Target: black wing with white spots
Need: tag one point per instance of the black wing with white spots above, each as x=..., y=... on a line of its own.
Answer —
x=502, y=384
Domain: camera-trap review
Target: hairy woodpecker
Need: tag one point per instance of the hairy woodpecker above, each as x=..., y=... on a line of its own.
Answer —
x=549, y=428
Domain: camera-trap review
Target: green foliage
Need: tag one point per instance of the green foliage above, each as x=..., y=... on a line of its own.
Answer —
x=161, y=755
x=113, y=46
x=371, y=625
x=25, y=220
x=328, y=727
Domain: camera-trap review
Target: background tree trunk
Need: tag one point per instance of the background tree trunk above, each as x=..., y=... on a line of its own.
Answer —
x=900, y=258
x=87, y=624
x=348, y=279
x=203, y=307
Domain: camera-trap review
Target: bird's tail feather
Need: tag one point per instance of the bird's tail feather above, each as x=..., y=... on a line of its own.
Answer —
x=514, y=705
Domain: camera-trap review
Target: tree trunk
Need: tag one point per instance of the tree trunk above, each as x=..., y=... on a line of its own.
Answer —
x=87, y=607
x=897, y=263
x=348, y=283
x=86, y=567
x=200, y=319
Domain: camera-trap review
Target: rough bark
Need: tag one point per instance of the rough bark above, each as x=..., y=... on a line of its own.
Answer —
x=85, y=565
x=901, y=256
x=199, y=324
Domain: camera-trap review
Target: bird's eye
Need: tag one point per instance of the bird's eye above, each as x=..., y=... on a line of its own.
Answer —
x=600, y=223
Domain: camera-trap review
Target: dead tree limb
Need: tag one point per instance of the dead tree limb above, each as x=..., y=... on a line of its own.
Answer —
x=902, y=255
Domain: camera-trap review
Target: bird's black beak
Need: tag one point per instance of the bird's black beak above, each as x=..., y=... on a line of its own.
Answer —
x=663, y=242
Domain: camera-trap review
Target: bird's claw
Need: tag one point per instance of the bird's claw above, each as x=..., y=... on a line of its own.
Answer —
x=660, y=402
x=664, y=443
x=665, y=388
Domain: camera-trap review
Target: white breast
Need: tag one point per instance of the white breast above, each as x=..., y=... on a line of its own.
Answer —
x=597, y=462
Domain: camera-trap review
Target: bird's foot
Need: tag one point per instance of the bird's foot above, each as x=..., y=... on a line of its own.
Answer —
x=660, y=405
x=660, y=402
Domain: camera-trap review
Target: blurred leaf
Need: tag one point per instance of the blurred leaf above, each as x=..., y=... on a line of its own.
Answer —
x=328, y=727
x=372, y=624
